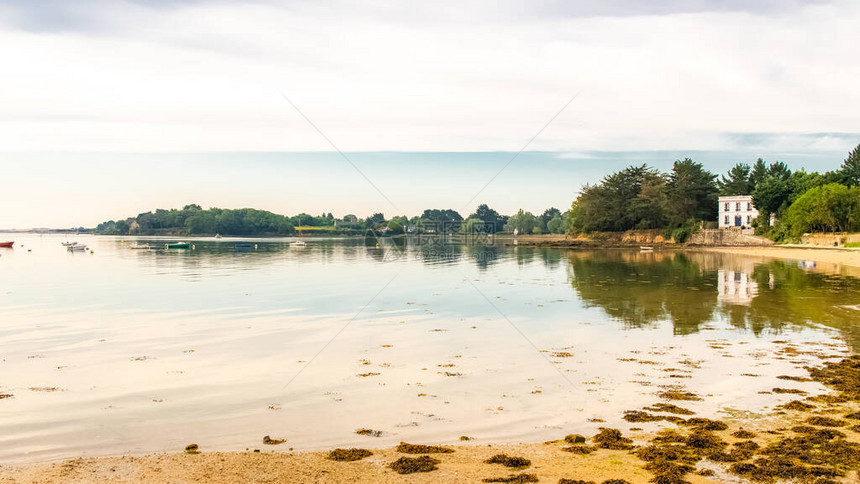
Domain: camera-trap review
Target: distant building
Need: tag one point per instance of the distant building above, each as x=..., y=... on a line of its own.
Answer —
x=736, y=211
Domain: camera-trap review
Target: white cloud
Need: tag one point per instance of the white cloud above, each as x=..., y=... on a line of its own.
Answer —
x=205, y=77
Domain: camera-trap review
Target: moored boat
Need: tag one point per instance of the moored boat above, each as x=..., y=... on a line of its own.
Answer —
x=179, y=245
x=7, y=245
x=76, y=248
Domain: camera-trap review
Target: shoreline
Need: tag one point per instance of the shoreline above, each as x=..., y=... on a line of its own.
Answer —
x=821, y=428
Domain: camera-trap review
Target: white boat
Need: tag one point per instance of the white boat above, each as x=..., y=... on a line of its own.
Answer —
x=140, y=247
x=217, y=236
x=77, y=248
x=68, y=244
x=646, y=248
x=298, y=244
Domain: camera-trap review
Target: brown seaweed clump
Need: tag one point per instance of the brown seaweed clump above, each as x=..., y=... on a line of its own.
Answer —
x=853, y=416
x=794, y=378
x=669, y=408
x=798, y=406
x=793, y=391
x=369, y=432
x=405, y=448
x=579, y=449
x=679, y=395
x=268, y=440
x=704, y=424
x=743, y=434
x=826, y=422
x=508, y=461
x=574, y=481
x=192, y=449
x=410, y=465
x=843, y=376
x=574, y=439
x=349, y=455
x=640, y=416
x=514, y=478
x=612, y=439
x=6, y=395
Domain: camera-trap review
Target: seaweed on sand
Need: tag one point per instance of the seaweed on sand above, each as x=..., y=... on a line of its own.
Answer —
x=369, y=432
x=743, y=434
x=405, y=448
x=267, y=440
x=843, y=376
x=349, y=455
x=640, y=416
x=798, y=406
x=579, y=449
x=508, y=461
x=514, y=478
x=793, y=391
x=612, y=439
x=679, y=395
x=816, y=453
x=574, y=439
x=704, y=424
x=574, y=481
x=826, y=421
x=853, y=416
x=409, y=465
x=192, y=449
x=669, y=408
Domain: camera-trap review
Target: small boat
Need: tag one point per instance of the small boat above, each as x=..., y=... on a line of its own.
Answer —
x=140, y=247
x=298, y=244
x=179, y=245
x=68, y=244
x=77, y=248
x=646, y=248
x=217, y=236
x=7, y=245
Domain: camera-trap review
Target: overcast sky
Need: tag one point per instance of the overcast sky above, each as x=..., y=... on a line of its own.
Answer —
x=135, y=94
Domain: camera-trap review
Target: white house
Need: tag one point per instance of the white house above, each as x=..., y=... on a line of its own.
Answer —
x=736, y=211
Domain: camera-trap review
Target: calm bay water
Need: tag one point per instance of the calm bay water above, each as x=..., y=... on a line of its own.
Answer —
x=133, y=351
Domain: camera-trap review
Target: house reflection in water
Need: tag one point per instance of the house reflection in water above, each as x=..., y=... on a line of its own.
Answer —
x=736, y=287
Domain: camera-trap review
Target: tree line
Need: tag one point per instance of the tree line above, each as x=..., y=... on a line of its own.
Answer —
x=641, y=197
x=195, y=220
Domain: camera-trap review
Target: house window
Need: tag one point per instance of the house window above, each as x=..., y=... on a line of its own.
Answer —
x=748, y=219
x=726, y=207
x=727, y=219
x=737, y=206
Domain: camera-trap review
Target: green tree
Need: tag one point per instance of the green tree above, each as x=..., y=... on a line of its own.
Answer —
x=850, y=169
x=691, y=193
x=828, y=208
x=736, y=181
x=523, y=222
x=546, y=216
x=771, y=196
x=556, y=225
x=494, y=221
x=757, y=174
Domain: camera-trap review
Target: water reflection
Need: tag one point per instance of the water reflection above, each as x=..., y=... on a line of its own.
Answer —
x=693, y=289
